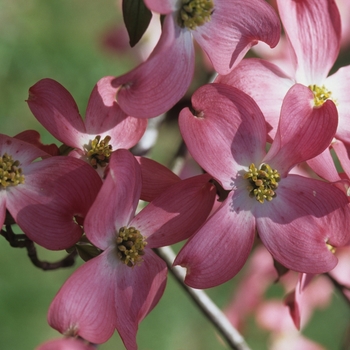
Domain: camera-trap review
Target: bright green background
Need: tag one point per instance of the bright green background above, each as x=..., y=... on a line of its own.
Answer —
x=60, y=39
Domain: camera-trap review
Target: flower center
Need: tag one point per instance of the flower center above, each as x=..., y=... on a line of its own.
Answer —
x=195, y=13
x=321, y=94
x=10, y=173
x=130, y=245
x=262, y=182
x=331, y=248
x=100, y=151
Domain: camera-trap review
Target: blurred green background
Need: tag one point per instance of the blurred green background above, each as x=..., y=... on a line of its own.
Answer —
x=62, y=39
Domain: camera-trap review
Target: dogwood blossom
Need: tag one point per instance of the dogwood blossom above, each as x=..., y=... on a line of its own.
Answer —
x=298, y=219
x=224, y=29
x=45, y=197
x=313, y=29
x=119, y=287
x=105, y=129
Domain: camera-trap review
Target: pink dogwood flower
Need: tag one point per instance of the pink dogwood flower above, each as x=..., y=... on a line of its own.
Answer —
x=105, y=129
x=310, y=292
x=225, y=30
x=273, y=316
x=323, y=165
x=44, y=197
x=249, y=293
x=119, y=287
x=298, y=219
x=313, y=30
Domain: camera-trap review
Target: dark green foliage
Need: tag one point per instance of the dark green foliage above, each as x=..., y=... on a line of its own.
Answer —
x=136, y=18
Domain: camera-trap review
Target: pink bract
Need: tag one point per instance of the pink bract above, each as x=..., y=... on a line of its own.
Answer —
x=225, y=135
x=65, y=344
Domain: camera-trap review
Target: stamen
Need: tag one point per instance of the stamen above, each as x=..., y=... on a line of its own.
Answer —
x=10, y=173
x=195, y=13
x=321, y=94
x=331, y=248
x=100, y=151
x=130, y=246
x=72, y=331
x=262, y=182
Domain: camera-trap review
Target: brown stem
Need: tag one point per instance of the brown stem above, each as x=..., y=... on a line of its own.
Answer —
x=22, y=241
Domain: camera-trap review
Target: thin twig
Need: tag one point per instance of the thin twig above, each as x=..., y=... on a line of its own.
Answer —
x=205, y=304
x=22, y=241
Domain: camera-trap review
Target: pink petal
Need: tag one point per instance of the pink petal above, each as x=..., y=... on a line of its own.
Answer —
x=162, y=6
x=152, y=88
x=314, y=30
x=258, y=275
x=273, y=316
x=304, y=131
x=226, y=132
x=2, y=207
x=138, y=291
x=265, y=83
x=84, y=305
x=219, y=249
x=56, y=110
x=177, y=213
x=342, y=150
x=323, y=165
x=20, y=150
x=339, y=85
x=117, y=200
x=296, y=300
x=33, y=137
x=56, y=190
x=291, y=301
x=105, y=117
x=234, y=28
x=156, y=178
x=296, y=225
x=342, y=270
x=65, y=344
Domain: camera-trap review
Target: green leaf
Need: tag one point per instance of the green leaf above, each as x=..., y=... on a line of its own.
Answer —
x=136, y=18
x=87, y=252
